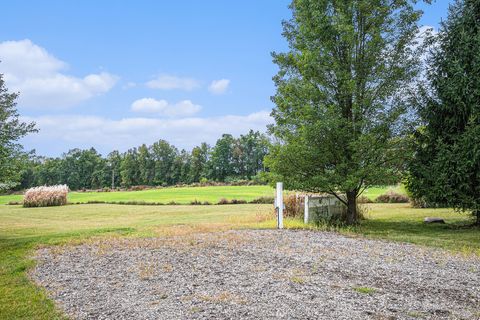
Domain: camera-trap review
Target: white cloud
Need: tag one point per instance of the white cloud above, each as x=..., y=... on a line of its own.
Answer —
x=162, y=107
x=40, y=78
x=108, y=134
x=169, y=82
x=149, y=105
x=219, y=86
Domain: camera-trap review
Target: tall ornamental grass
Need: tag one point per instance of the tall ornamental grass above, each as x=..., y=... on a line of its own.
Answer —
x=46, y=196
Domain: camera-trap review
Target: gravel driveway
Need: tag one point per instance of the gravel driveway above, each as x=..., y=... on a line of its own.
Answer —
x=254, y=274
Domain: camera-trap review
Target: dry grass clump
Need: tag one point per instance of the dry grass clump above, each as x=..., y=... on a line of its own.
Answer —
x=294, y=206
x=46, y=196
x=392, y=197
x=223, y=201
x=364, y=199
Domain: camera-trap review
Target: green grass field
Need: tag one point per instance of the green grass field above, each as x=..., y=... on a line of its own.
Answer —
x=182, y=195
x=185, y=195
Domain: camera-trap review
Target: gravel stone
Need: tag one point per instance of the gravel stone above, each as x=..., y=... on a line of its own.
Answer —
x=259, y=274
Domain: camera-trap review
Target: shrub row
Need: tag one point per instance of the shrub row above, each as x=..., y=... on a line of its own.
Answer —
x=392, y=197
x=223, y=201
x=388, y=197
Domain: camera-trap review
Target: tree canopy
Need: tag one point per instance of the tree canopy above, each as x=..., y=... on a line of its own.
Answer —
x=340, y=95
x=11, y=130
x=446, y=168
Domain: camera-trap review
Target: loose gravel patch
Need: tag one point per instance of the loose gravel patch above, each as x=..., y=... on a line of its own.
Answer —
x=259, y=274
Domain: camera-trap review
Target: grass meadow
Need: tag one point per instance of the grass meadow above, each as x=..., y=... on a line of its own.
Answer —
x=24, y=229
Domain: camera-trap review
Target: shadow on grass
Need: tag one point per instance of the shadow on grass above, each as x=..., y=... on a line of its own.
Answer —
x=458, y=236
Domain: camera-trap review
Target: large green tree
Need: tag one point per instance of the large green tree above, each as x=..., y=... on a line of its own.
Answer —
x=11, y=130
x=221, y=160
x=146, y=165
x=164, y=154
x=199, y=162
x=129, y=170
x=340, y=89
x=114, y=165
x=83, y=169
x=446, y=167
x=254, y=146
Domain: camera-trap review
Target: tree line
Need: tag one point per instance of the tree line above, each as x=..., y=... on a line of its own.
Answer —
x=160, y=164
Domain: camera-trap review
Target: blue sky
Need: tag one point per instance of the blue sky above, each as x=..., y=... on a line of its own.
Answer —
x=115, y=74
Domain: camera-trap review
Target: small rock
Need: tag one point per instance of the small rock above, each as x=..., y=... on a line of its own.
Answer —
x=433, y=220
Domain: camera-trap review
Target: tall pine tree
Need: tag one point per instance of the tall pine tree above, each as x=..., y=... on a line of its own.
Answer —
x=446, y=168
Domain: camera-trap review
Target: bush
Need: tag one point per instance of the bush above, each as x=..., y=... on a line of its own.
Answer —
x=336, y=217
x=223, y=201
x=46, y=196
x=260, y=179
x=419, y=203
x=239, y=201
x=195, y=202
x=392, y=197
x=294, y=206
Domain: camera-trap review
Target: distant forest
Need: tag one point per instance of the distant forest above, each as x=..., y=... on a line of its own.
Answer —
x=161, y=164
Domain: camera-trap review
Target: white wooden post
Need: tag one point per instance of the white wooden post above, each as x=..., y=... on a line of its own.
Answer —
x=305, y=212
x=279, y=205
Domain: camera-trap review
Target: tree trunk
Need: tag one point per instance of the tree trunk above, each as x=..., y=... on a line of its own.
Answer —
x=477, y=214
x=352, y=216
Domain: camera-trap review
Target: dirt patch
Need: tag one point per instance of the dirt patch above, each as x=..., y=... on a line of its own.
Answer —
x=254, y=274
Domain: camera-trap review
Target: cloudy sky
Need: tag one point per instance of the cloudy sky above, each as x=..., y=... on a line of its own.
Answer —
x=114, y=75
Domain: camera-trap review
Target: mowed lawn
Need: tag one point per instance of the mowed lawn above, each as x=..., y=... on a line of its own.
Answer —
x=24, y=229
x=185, y=195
